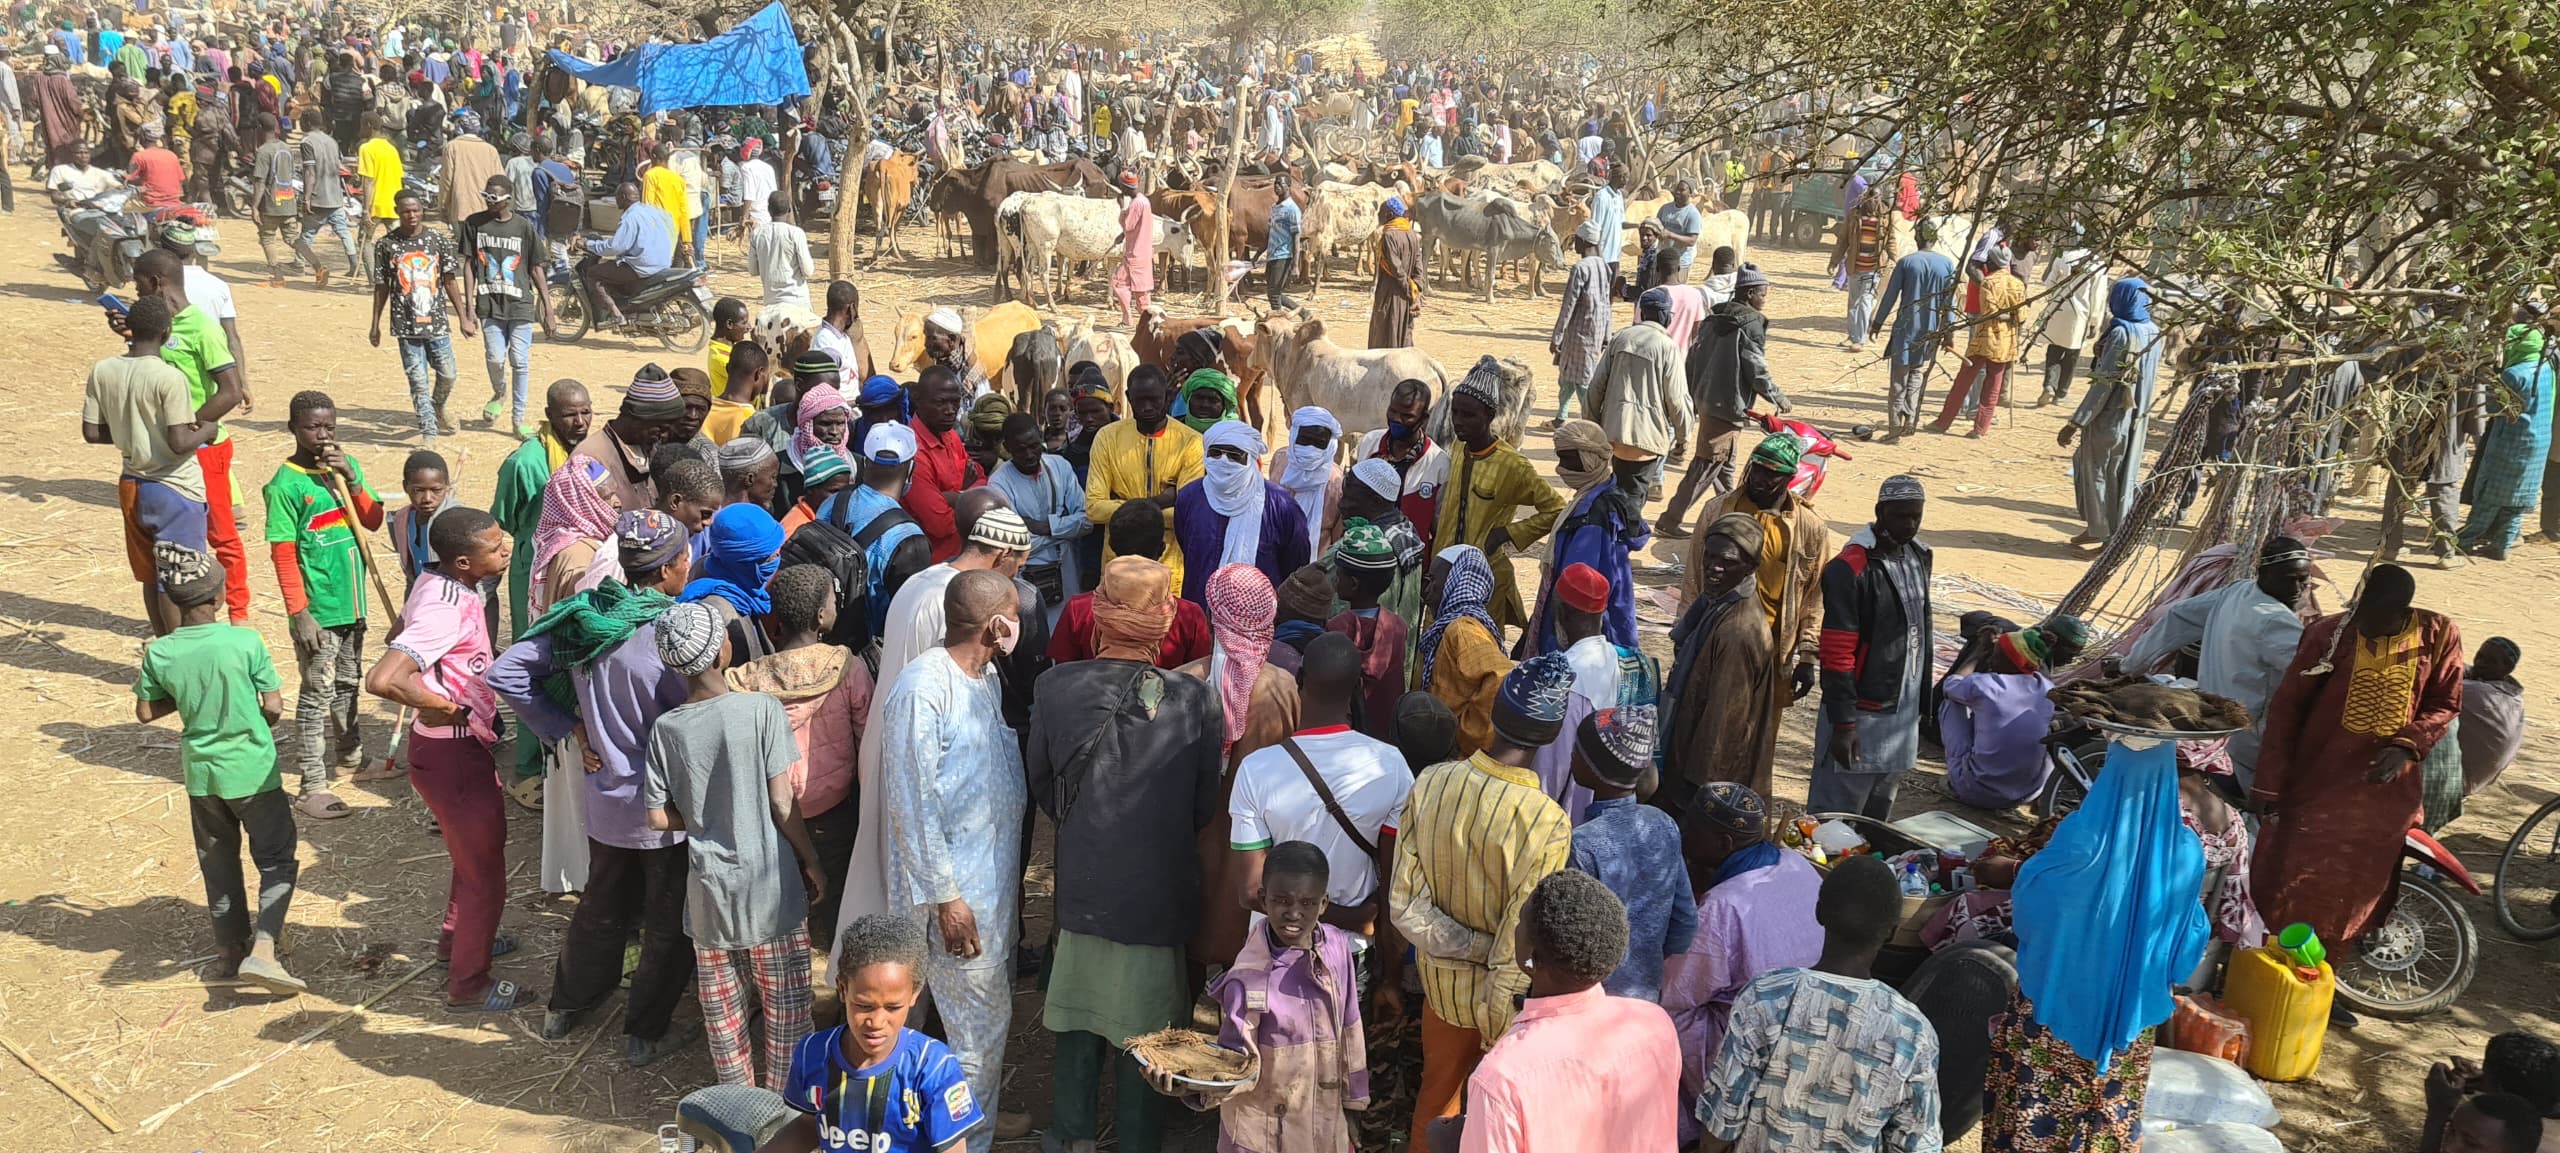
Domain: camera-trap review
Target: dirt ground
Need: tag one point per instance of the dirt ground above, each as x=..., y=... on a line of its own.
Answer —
x=103, y=923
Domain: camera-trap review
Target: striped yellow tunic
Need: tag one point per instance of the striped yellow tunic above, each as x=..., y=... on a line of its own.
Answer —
x=1476, y=837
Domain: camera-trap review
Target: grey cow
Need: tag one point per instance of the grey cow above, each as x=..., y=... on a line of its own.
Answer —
x=1503, y=230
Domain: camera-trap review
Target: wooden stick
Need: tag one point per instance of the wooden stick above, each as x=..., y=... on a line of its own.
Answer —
x=579, y=1057
x=152, y=1123
x=364, y=545
x=68, y=1089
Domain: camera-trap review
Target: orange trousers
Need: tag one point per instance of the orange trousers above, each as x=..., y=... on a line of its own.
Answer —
x=1449, y=1057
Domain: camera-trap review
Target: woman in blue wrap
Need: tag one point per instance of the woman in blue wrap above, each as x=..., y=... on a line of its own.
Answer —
x=745, y=549
x=2107, y=922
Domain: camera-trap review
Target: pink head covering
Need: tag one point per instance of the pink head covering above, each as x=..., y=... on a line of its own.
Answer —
x=817, y=400
x=574, y=509
x=1242, y=607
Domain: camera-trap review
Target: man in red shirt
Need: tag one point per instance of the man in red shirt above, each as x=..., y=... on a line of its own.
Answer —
x=156, y=171
x=942, y=465
x=1136, y=529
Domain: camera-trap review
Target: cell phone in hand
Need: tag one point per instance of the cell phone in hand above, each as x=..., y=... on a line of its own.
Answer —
x=113, y=303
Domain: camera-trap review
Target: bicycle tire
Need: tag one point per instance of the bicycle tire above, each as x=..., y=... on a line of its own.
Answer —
x=2508, y=861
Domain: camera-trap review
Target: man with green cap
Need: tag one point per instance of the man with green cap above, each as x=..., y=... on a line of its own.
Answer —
x=1794, y=543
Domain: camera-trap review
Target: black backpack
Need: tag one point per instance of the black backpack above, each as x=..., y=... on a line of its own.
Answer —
x=830, y=547
x=566, y=212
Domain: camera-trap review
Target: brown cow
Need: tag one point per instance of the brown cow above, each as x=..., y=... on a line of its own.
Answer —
x=973, y=194
x=1153, y=340
x=887, y=187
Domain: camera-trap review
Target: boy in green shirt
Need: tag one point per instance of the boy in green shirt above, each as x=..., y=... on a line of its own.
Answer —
x=217, y=678
x=320, y=566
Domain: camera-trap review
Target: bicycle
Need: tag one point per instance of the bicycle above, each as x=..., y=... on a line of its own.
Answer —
x=2527, y=888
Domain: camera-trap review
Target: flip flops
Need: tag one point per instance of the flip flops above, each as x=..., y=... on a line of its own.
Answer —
x=503, y=998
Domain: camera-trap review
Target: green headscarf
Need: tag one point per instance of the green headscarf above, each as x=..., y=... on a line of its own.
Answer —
x=586, y=626
x=1217, y=382
x=2524, y=343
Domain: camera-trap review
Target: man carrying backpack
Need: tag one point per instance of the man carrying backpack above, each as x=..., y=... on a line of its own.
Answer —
x=345, y=96
x=893, y=544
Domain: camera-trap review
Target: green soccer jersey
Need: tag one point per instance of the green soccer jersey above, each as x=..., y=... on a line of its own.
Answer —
x=213, y=673
x=302, y=509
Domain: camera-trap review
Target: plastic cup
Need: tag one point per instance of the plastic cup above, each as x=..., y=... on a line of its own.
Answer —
x=2304, y=945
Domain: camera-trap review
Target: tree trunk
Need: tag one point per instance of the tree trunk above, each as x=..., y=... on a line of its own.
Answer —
x=840, y=227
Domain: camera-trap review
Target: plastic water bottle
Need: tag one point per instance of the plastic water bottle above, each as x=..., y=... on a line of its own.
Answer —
x=1913, y=884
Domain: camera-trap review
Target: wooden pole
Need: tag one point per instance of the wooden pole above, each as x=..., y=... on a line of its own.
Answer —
x=68, y=1089
x=1219, y=243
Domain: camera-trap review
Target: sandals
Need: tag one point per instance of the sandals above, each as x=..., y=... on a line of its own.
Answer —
x=527, y=792
x=499, y=946
x=322, y=806
x=503, y=997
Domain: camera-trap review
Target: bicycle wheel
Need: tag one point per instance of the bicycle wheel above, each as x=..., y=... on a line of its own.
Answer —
x=2418, y=961
x=2527, y=888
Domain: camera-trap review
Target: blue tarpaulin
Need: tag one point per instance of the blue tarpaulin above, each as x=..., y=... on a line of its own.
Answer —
x=757, y=62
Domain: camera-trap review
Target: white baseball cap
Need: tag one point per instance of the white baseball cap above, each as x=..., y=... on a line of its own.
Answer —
x=889, y=444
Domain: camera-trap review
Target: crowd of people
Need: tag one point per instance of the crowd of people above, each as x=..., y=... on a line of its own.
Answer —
x=796, y=655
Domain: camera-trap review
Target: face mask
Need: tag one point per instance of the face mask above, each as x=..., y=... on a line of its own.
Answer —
x=1008, y=633
x=1397, y=431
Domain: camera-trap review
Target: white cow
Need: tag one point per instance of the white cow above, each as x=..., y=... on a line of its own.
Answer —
x=1719, y=229
x=1034, y=228
x=1338, y=215
x=1080, y=341
x=1352, y=384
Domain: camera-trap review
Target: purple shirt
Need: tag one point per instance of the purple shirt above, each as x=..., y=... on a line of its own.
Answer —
x=1554, y=763
x=1993, y=727
x=1749, y=925
x=1297, y=1010
x=1201, y=532
x=619, y=697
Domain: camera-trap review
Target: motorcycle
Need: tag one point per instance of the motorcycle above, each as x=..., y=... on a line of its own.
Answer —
x=108, y=233
x=1819, y=452
x=2425, y=953
x=673, y=306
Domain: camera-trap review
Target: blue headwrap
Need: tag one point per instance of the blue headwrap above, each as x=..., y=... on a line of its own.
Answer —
x=2106, y=914
x=745, y=548
x=1395, y=207
x=1468, y=592
x=2129, y=300
x=877, y=391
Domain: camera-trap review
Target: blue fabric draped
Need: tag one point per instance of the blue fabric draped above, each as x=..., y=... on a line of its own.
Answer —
x=2107, y=915
x=755, y=62
x=745, y=551
x=1748, y=859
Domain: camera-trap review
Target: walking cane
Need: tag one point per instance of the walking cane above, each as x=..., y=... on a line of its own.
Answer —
x=388, y=766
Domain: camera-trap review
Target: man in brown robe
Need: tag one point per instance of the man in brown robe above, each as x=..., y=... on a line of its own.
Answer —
x=2369, y=692
x=1724, y=699
x=1795, y=542
x=58, y=109
x=1397, y=298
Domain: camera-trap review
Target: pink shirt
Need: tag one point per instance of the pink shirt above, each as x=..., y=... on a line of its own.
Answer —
x=1580, y=1072
x=445, y=629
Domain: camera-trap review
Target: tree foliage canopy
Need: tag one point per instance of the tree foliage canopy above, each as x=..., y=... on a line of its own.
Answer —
x=2308, y=156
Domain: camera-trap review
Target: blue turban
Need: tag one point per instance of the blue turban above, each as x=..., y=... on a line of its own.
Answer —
x=1395, y=207
x=746, y=543
x=877, y=391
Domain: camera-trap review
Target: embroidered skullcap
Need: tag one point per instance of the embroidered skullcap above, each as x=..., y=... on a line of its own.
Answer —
x=691, y=381
x=1484, y=382
x=815, y=362
x=1529, y=707
x=1380, y=477
x=948, y=320
x=1778, y=452
x=1900, y=487
x=2282, y=550
x=1734, y=808
x=647, y=539
x=1002, y=529
x=1364, y=546
x=1618, y=743
x=689, y=638
x=1582, y=586
x=743, y=455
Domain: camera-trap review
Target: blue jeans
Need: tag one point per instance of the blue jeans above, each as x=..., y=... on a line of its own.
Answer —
x=509, y=348
x=1862, y=305
x=335, y=220
x=427, y=393
x=701, y=235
